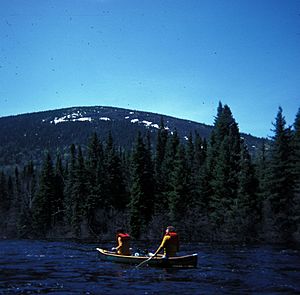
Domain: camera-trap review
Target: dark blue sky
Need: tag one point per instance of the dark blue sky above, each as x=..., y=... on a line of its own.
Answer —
x=174, y=57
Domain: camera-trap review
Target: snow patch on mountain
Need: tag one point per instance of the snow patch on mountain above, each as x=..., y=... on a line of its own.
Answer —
x=147, y=124
x=71, y=118
x=82, y=116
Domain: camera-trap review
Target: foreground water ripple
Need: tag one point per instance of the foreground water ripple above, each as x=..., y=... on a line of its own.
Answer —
x=43, y=267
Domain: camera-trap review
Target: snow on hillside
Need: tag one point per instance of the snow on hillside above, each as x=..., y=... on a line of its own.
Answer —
x=70, y=118
x=79, y=116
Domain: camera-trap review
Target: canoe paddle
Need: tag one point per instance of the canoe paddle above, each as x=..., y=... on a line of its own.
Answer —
x=143, y=262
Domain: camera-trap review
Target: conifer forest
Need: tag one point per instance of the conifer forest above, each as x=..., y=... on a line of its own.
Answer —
x=211, y=190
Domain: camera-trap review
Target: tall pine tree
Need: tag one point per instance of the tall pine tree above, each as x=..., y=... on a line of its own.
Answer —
x=141, y=204
x=115, y=189
x=178, y=197
x=296, y=174
x=228, y=171
x=280, y=180
x=43, y=205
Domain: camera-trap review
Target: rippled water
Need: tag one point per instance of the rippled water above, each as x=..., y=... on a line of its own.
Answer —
x=39, y=267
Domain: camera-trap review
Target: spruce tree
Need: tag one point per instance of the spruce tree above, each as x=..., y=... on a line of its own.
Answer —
x=224, y=167
x=96, y=180
x=149, y=181
x=70, y=183
x=4, y=202
x=28, y=185
x=43, y=205
x=167, y=167
x=261, y=171
x=229, y=180
x=222, y=193
x=280, y=180
x=200, y=177
x=296, y=152
x=178, y=197
x=115, y=189
x=247, y=211
x=18, y=203
x=59, y=179
x=29, y=182
x=296, y=173
x=4, y=197
x=75, y=200
x=141, y=191
x=79, y=191
x=160, y=177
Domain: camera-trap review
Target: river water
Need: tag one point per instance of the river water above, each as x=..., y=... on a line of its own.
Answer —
x=42, y=267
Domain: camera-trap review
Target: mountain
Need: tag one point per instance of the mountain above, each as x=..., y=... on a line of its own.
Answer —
x=27, y=136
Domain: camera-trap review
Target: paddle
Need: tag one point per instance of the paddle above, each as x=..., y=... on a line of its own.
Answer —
x=143, y=262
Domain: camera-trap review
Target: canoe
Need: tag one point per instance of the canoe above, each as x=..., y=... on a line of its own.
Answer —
x=187, y=261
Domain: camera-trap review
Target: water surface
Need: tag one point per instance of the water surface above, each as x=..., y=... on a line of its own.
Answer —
x=42, y=267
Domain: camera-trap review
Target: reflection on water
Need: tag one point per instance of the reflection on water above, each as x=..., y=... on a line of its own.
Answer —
x=31, y=267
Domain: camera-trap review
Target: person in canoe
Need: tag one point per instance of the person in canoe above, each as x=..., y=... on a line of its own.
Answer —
x=169, y=244
x=123, y=241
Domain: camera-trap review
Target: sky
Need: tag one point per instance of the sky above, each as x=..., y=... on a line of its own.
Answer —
x=172, y=57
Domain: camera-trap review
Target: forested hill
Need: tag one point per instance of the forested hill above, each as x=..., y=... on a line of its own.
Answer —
x=210, y=190
x=25, y=137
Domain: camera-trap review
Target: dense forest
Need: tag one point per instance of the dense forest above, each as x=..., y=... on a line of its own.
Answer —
x=211, y=190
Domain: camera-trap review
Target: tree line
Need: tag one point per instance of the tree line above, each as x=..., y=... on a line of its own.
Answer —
x=211, y=190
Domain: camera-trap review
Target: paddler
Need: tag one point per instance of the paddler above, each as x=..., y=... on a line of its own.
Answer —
x=170, y=243
x=123, y=241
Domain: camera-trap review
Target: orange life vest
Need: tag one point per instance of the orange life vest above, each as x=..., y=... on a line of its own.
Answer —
x=172, y=244
x=125, y=239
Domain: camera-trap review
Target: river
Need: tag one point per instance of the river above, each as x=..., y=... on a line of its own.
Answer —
x=44, y=267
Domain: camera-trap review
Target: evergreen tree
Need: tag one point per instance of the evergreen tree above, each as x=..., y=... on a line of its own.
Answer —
x=95, y=154
x=200, y=151
x=200, y=178
x=79, y=193
x=70, y=183
x=179, y=195
x=167, y=167
x=96, y=179
x=261, y=171
x=190, y=165
x=115, y=189
x=160, y=177
x=222, y=196
x=94, y=163
x=59, y=180
x=43, y=205
x=141, y=204
x=296, y=172
x=17, y=206
x=246, y=210
x=224, y=167
x=29, y=185
x=190, y=153
x=296, y=152
x=4, y=198
x=280, y=180
x=4, y=202
x=148, y=180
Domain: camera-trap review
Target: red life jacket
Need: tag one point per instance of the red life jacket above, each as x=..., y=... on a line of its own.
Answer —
x=173, y=242
x=124, y=237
